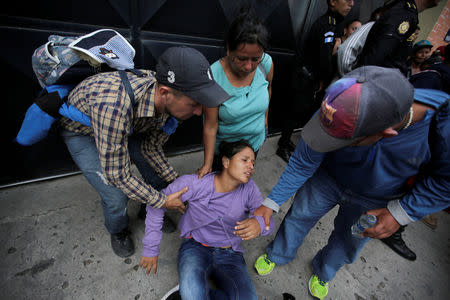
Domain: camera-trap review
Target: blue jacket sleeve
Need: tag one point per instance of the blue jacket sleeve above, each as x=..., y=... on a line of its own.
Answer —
x=432, y=192
x=302, y=165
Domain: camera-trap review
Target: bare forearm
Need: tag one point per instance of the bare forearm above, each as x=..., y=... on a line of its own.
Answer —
x=209, y=141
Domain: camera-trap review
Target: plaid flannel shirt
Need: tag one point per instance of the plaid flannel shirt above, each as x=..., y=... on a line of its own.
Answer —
x=113, y=119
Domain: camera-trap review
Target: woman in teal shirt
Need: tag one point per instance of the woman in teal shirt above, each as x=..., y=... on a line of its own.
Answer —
x=245, y=73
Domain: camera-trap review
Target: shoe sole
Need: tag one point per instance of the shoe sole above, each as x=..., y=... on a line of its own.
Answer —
x=124, y=255
x=309, y=288
x=263, y=274
x=174, y=289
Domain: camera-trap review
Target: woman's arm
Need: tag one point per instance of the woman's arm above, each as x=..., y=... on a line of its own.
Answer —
x=152, y=239
x=210, y=127
x=154, y=222
x=269, y=79
x=153, y=233
x=253, y=226
x=255, y=202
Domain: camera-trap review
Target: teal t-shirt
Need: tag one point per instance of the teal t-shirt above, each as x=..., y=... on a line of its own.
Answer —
x=242, y=116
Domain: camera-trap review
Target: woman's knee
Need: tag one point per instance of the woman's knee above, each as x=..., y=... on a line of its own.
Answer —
x=193, y=283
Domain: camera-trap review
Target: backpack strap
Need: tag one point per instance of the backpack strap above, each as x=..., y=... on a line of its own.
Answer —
x=126, y=82
x=137, y=72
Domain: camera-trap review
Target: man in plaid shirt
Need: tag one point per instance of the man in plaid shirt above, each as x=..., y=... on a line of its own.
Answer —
x=122, y=133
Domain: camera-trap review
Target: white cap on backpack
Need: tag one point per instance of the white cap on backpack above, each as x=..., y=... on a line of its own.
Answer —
x=106, y=46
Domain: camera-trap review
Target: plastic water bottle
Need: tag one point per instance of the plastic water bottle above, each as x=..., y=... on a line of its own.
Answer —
x=365, y=221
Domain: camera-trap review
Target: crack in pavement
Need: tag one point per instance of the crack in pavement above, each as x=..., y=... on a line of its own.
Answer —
x=8, y=219
x=37, y=268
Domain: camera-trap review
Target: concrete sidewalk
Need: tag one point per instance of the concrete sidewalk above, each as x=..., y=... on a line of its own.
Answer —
x=54, y=246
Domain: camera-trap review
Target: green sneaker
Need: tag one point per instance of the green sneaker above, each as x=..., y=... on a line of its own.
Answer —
x=317, y=287
x=263, y=265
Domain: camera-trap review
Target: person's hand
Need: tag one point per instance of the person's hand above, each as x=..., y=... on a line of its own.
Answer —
x=264, y=212
x=149, y=263
x=336, y=45
x=247, y=229
x=203, y=171
x=320, y=87
x=174, y=202
x=385, y=227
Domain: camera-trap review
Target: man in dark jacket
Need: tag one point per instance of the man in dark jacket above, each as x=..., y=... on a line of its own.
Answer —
x=390, y=39
x=313, y=71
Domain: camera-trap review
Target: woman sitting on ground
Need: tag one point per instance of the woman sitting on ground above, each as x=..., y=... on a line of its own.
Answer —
x=218, y=218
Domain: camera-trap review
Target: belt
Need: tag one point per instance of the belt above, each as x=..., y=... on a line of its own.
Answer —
x=225, y=247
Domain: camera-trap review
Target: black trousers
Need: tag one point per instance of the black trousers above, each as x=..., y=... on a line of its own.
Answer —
x=302, y=105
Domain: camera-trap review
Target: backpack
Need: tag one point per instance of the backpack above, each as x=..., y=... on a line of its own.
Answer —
x=435, y=76
x=348, y=52
x=62, y=63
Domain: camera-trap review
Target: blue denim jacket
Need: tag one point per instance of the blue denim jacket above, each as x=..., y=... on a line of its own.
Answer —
x=382, y=170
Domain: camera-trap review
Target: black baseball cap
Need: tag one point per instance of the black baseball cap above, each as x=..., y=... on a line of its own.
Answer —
x=187, y=70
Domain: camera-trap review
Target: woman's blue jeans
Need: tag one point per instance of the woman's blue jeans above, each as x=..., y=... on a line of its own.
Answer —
x=226, y=268
x=114, y=202
x=312, y=201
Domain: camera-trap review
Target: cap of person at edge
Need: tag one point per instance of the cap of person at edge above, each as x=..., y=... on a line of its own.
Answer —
x=364, y=102
x=187, y=70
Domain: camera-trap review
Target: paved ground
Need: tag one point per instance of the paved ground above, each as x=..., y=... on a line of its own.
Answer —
x=53, y=246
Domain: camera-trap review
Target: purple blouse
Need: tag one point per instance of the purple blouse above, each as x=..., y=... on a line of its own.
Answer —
x=211, y=216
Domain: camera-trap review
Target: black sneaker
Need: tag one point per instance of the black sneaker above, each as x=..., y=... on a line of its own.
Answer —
x=284, y=153
x=168, y=225
x=287, y=296
x=173, y=294
x=290, y=146
x=142, y=213
x=122, y=244
x=396, y=243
